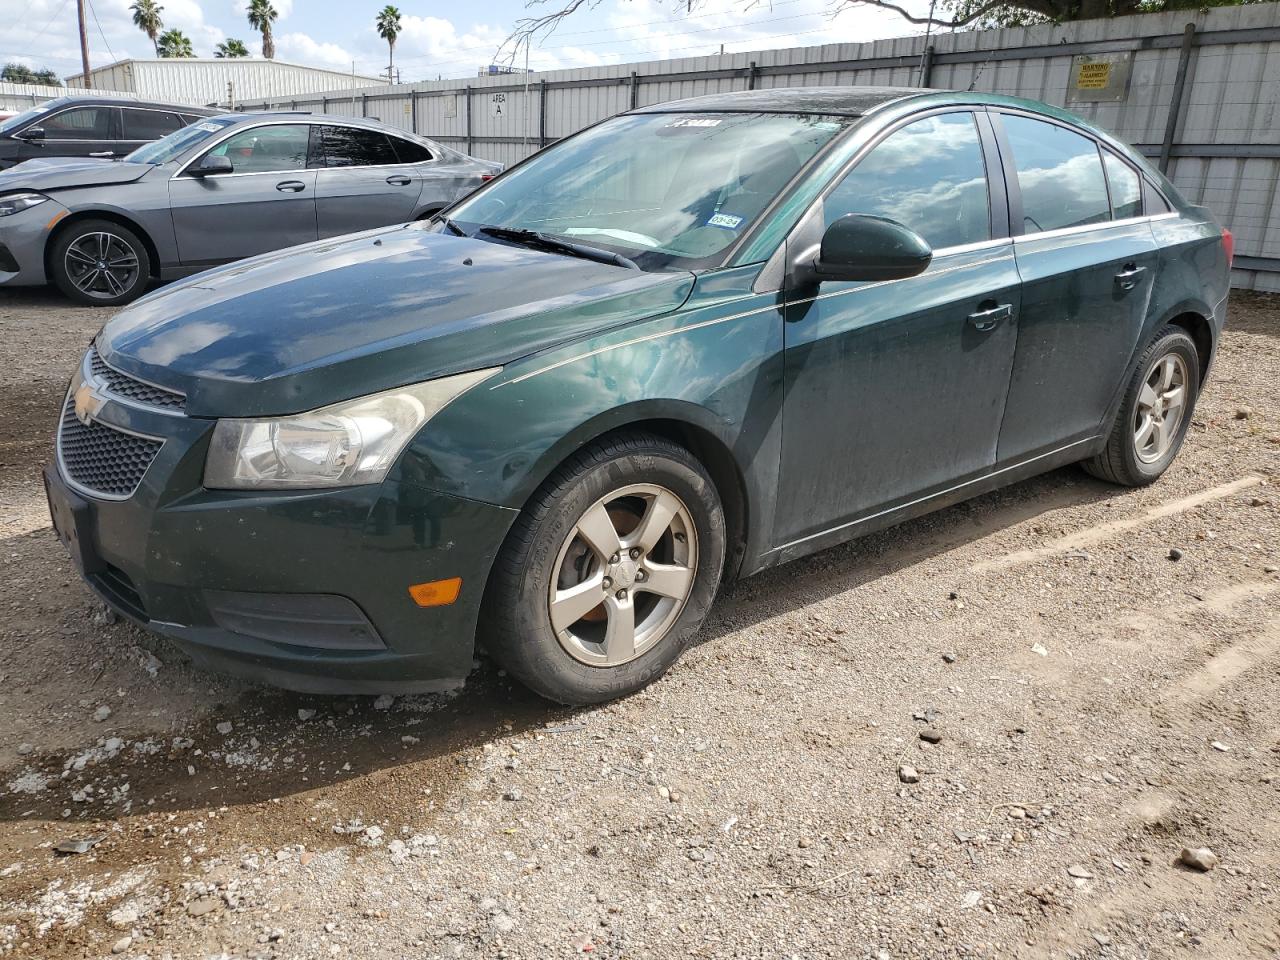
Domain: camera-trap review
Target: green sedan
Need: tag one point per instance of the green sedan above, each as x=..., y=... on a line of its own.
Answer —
x=684, y=345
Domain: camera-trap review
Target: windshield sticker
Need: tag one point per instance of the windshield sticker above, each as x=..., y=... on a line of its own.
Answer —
x=209, y=127
x=695, y=122
x=726, y=220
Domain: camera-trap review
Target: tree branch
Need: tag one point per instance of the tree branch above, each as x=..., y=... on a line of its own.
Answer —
x=934, y=21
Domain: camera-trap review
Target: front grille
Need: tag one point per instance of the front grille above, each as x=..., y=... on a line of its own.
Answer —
x=125, y=386
x=118, y=590
x=101, y=459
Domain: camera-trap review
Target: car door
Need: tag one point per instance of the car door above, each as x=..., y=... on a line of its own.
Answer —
x=361, y=182
x=267, y=202
x=895, y=389
x=141, y=125
x=75, y=132
x=1086, y=282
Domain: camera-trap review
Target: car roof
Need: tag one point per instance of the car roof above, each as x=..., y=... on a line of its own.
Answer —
x=830, y=101
x=92, y=101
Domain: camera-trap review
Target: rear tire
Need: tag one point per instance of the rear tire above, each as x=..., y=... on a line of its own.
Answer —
x=1154, y=414
x=608, y=573
x=100, y=263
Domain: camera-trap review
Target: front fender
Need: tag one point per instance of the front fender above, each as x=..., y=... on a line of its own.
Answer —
x=716, y=366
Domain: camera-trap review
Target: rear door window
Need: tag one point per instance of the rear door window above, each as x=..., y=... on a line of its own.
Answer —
x=929, y=175
x=149, y=124
x=1059, y=175
x=1125, y=185
x=410, y=152
x=353, y=147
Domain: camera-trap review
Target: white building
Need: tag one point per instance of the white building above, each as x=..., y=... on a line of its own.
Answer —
x=206, y=82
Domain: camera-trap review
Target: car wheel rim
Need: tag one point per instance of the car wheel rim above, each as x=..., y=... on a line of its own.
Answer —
x=101, y=265
x=623, y=575
x=1162, y=404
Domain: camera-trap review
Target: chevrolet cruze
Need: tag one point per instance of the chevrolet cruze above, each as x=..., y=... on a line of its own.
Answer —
x=688, y=343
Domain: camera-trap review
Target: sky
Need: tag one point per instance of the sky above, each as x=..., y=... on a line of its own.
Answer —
x=443, y=40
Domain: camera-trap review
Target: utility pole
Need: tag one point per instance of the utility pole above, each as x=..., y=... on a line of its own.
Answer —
x=84, y=46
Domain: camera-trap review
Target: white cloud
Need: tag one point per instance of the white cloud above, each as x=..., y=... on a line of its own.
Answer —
x=301, y=48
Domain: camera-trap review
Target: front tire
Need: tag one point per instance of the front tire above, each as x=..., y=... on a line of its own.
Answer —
x=608, y=573
x=1154, y=414
x=100, y=263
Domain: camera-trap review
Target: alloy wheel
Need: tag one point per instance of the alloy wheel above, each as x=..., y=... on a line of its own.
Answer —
x=623, y=575
x=1162, y=403
x=101, y=265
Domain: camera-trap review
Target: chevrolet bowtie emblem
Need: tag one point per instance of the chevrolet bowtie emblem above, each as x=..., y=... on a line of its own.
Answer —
x=88, y=402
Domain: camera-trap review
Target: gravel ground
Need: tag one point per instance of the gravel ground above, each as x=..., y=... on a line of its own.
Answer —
x=1097, y=707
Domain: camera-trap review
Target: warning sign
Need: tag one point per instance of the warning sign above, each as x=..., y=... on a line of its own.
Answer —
x=1100, y=77
x=1094, y=76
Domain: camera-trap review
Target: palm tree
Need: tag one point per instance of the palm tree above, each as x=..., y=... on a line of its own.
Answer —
x=261, y=15
x=229, y=49
x=175, y=44
x=388, y=22
x=146, y=17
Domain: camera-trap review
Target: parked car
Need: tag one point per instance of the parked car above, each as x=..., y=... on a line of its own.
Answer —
x=688, y=343
x=228, y=187
x=90, y=127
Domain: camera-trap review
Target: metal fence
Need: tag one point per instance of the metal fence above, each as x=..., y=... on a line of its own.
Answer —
x=1199, y=97
x=22, y=96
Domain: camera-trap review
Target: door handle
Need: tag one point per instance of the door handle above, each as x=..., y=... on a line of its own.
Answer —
x=986, y=320
x=399, y=180
x=104, y=153
x=291, y=186
x=1130, y=276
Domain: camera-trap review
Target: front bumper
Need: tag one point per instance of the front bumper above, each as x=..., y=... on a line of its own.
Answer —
x=170, y=555
x=23, y=237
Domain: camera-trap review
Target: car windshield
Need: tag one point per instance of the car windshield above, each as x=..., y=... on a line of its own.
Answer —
x=174, y=145
x=26, y=116
x=668, y=191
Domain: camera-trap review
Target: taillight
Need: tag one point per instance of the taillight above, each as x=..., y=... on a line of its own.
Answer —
x=486, y=177
x=1228, y=244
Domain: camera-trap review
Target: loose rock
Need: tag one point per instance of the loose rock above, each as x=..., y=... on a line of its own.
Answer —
x=908, y=774
x=1199, y=858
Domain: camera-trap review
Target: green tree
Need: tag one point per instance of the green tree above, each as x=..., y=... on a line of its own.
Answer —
x=229, y=49
x=146, y=17
x=174, y=44
x=261, y=15
x=388, y=23
x=20, y=73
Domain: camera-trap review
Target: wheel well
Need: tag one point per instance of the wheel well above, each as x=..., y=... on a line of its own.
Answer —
x=719, y=463
x=152, y=253
x=1201, y=333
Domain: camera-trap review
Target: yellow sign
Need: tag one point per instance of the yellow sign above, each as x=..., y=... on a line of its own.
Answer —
x=1094, y=76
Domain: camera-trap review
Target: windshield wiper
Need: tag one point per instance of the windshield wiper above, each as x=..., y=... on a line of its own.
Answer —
x=534, y=238
x=452, y=227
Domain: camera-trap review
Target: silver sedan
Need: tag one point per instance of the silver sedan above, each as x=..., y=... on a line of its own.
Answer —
x=222, y=189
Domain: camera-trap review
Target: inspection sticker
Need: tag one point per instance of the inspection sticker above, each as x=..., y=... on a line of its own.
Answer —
x=726, y=220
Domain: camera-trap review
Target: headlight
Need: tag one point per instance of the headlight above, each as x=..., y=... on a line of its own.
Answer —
x=348, y=443
x=17, y=202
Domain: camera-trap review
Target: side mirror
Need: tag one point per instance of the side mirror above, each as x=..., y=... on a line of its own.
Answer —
x=212, y=166
x=33, y=133
x=862, y=247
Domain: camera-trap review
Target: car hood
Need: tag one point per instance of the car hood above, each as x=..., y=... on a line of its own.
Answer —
x=56, y=173
x=300, y=328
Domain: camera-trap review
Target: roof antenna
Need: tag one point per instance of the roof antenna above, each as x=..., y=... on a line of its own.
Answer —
x=974, y=82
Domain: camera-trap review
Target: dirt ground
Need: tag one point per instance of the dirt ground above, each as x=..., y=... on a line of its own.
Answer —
x=1100, y=705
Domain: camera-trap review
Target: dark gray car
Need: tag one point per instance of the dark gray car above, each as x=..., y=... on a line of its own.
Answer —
x=88, y=126
x=228, y=187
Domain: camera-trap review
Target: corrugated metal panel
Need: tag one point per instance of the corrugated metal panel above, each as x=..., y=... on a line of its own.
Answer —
x=204, y=81
x=1231, y=97
x=21, y=96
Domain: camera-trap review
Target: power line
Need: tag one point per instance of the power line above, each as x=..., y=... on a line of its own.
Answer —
x=100, y=33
